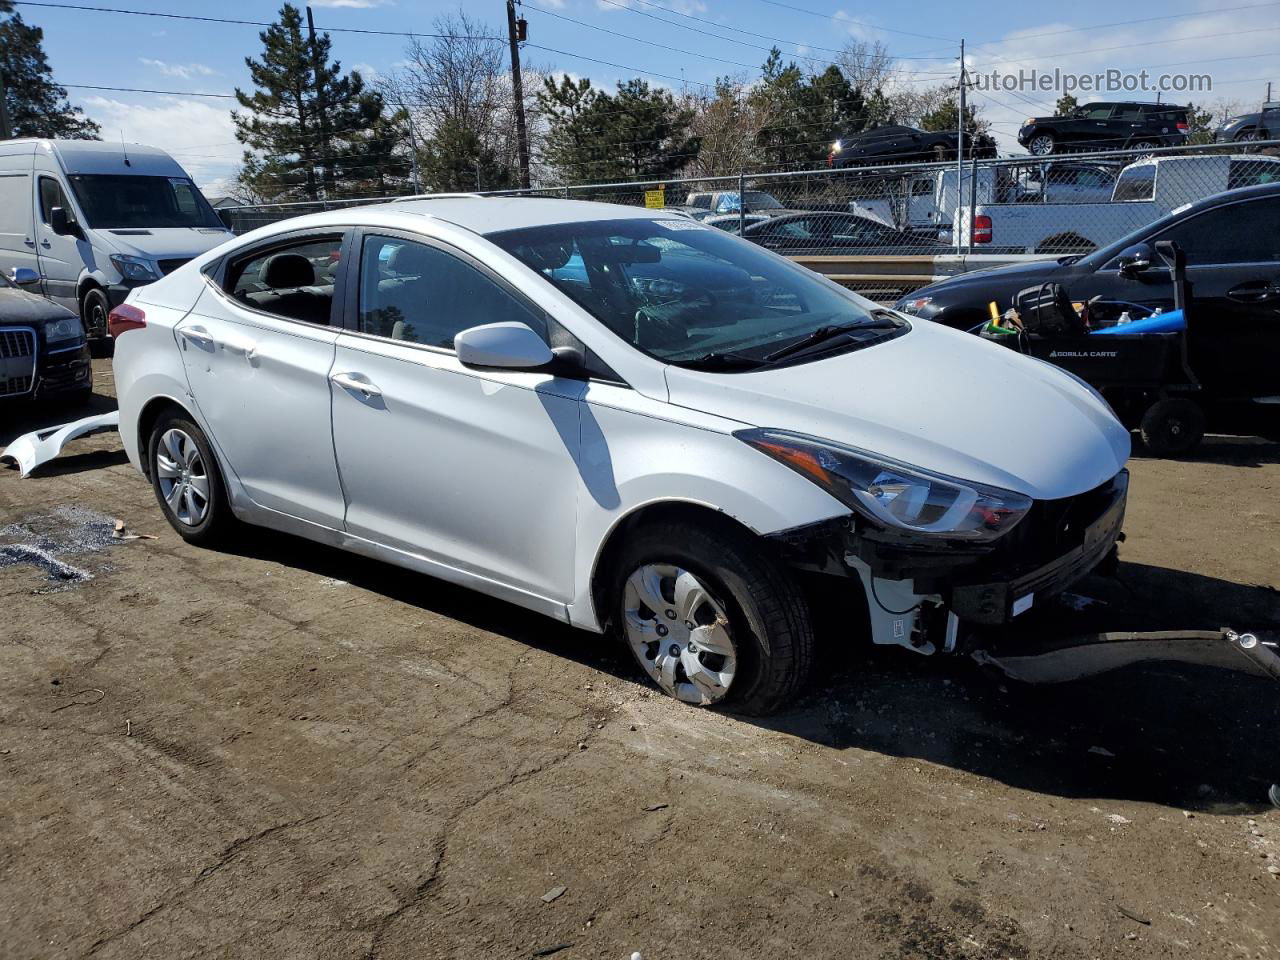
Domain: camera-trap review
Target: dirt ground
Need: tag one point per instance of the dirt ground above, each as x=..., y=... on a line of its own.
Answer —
x=288, y=752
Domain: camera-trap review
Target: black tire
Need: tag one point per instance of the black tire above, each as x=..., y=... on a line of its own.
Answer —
x=1042, y=144
x=94, y=308
x=769, y=619
x=217, y=521
x=1172, y=427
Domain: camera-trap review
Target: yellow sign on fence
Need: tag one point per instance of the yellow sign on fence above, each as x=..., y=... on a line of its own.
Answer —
x=655, y=199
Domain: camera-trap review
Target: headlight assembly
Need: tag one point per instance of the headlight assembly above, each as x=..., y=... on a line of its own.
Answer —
x=914, y=305
x=68, y=328
x=895, y=495
x=134, y=268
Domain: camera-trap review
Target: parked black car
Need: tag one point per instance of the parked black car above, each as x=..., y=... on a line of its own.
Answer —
x=819, y=231
x=1108, y=126
x=43, y=350
x=900, y=144
x=1232, y=246
x=1263, y=125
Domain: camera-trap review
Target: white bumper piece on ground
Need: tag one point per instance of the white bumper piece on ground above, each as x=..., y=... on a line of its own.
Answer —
x=33, y=449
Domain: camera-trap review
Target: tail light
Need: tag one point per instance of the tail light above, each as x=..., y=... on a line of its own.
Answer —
x=982, y=228
x=1184, y=127
x=125, y=317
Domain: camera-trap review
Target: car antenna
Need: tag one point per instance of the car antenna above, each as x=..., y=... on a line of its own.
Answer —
x=125, y=147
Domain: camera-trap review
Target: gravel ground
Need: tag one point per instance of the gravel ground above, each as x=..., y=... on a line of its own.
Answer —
x=284, y=751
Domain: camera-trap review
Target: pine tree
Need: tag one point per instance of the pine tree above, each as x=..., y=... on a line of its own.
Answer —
x=1065, y=106
x=309, y=126
x=35, y=105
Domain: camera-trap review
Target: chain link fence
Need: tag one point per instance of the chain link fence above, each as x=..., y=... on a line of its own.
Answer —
x=981, y=211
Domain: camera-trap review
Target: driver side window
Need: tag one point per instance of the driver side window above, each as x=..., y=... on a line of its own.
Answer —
x=420, y=294
x=52, y=195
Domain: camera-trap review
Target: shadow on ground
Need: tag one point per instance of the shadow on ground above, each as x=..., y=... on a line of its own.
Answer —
x=1186, y=737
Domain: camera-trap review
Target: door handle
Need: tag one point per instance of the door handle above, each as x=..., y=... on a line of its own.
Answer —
x=28, y=241
x=198, y=335
x=357, y=383
x=1254, y=291
x=46, y=244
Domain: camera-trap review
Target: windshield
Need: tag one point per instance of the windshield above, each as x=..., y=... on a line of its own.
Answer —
x=113, y=201
x=693, y=295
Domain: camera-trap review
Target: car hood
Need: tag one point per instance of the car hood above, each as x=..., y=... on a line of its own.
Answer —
x=938, y=399
x=164, y=243
x=18, y=306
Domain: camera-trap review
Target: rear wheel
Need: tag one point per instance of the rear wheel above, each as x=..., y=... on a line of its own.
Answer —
x=711, y=618
x=94, y=308
x=186, y=480
x=1041, y=145
x=1172, y=427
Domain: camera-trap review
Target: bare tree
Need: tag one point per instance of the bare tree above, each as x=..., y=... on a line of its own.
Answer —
x=867, y=66
x=457, y=90
x=728, y=123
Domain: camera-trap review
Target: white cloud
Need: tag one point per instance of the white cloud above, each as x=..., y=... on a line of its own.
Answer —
x=184, y=71
x=199, y=135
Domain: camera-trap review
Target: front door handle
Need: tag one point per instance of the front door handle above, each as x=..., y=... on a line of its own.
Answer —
x=357, y=383
x=1254, y=291
x=46, y=244
x=197, y=335
x=28, y=241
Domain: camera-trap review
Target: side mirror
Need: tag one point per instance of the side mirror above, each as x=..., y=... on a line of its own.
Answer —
x=1135, y=260
x=24, y=276
x=60, y=223
x=502, y=346
x=225, y=217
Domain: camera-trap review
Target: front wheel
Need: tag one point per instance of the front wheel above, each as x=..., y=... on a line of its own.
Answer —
x=186, y=481
x=711, y=618
x=94, y=308
x=1041, y=145
x=1172, y=427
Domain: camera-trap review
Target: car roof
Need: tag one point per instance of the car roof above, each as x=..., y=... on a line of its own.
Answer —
x=105, y=157
x=482, y=215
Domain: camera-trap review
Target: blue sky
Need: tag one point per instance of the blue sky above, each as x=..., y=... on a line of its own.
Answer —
x=1237, y=46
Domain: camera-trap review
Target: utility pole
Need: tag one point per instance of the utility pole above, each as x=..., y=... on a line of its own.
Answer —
x=5, y=130
x=1268, y=89
x=317, y=66
x=516, y=33
x=960, y=158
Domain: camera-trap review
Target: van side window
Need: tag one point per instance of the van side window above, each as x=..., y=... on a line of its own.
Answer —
x=1136, y=183
x=52, y=195
x=295, y=282
x=418, y=293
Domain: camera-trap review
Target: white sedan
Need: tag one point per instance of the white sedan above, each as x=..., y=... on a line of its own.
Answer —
x=621, y=419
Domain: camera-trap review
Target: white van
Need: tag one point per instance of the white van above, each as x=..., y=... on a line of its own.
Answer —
x=96, y=219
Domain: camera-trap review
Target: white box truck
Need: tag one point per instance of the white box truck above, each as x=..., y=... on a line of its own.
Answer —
x=96, y=219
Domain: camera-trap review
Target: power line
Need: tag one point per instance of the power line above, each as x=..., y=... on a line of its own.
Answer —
x=860, y=23
x=235, y=22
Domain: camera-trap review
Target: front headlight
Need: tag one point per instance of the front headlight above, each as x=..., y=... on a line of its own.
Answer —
x=134, y=268
x=913, y=305
x=68, y=328
x=892, y=494
x=837, y=147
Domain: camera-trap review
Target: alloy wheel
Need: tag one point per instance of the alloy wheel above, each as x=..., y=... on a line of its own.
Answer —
x=1041, y=146
x=679, y=633
x=182, y=476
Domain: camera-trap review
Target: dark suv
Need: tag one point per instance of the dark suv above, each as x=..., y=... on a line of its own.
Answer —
x=1263, y=125
x=1107, y=126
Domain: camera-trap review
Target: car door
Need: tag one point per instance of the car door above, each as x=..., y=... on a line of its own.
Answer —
x=473, y=470
x=17, y=237
x=1233, y=265
x=1125, y=124
x=62, y=256
x=793, y=233
x=258, y=348
x=1092, y=127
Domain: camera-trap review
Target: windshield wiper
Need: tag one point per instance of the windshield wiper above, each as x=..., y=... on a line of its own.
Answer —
x=827, y=332
x=722, y=361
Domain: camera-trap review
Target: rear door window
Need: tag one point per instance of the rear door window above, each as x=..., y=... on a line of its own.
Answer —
x=295, y=281
x=1236, y=233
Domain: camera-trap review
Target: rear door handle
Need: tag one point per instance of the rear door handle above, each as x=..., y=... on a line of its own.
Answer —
x=46, y=244
x=1254, y=291
x=28, y=241
x=356, y=382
